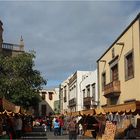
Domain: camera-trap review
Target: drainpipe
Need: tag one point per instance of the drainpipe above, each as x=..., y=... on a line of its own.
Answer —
x=98, y=81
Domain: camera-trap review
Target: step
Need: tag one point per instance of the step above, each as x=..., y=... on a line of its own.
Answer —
x=38, y=129
x=34, y=137
x=35, y=134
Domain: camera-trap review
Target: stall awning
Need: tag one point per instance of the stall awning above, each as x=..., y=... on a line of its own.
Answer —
x=99, y=111
x=8, y=105
x=75, y=113
x=126, y=107
x=22, y=110
x=68, y=113
x=17, y=109
x=87, y=112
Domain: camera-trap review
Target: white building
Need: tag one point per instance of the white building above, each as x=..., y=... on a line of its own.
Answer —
x=64, y=96
x=89, y=90
x=48, y=103
x=75, y=95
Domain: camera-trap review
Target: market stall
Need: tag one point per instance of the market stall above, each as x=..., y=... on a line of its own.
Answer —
x=125, y=118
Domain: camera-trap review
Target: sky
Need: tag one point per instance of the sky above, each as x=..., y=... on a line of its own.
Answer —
x=66, y=35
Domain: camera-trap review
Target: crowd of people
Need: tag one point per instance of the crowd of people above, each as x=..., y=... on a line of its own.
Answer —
x=73, y=126
x=14, y=126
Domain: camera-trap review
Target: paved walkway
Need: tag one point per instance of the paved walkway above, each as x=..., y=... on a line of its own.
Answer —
x=39, y=133
x=50, y=135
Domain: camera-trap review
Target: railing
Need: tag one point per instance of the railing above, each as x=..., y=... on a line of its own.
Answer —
x=87, y=101
x=112, y=88
x=72, y=102
x=9, y=46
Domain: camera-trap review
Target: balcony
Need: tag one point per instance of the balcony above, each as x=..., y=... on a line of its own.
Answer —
x=112, y=89
x=72, y=102
x=87, y=101
x=9, y=46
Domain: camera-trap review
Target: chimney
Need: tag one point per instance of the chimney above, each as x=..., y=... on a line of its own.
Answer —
x=1, y=32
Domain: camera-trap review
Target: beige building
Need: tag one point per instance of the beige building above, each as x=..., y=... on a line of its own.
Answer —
x=48, y=99
x=119, y=68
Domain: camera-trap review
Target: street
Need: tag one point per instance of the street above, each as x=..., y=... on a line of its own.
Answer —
x=38, y=133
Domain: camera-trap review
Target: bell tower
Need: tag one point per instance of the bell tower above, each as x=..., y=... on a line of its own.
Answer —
x=21, y=44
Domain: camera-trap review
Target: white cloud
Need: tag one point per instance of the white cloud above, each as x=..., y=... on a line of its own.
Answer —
x=67, y=35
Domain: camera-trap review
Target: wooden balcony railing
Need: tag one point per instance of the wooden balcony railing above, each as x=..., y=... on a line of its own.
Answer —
x=87, y=101
x=112, y=89
x=72, y=102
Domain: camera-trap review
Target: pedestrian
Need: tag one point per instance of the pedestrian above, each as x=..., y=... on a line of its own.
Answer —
x=18, y=126
x=80, y=130
x=56, y=127
x=48, y=124
x=72, y=128
x=61, y=122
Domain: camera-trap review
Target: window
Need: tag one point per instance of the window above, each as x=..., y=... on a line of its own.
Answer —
x=65, y=94
x=103, y=80
x=43, y=95
x=113, y=53
x=114, y=73
x=129, y=66
x=93, y=90
x=88, y=91
x=84, y=93
x=50, y=95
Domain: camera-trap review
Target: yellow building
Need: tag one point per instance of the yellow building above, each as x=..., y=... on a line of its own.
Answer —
x=119, y=68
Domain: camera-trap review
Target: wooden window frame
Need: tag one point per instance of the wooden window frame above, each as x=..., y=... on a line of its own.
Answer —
x=43, y=95
x=126, y=65
x=111, y=70
x=50, y=96
x=88, y=87
x=103, y=86
x=94, y=85
x=65, y=94
x=84, y=93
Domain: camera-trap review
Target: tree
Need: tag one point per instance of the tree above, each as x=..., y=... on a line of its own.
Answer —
x=20, y=82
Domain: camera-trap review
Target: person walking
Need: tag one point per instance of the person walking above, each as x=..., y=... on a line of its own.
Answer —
x=61, y=122
x=80, y=130
x=72, y=128
x=56, y=127
x=18, y=126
